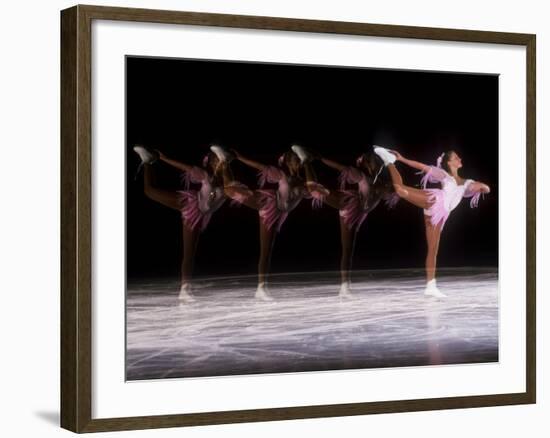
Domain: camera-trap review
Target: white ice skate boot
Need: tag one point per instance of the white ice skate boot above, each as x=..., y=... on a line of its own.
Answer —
x=303, y=154
x=432, y=290
x=386, y=156
x=262, y=294
x=345, y=291
x=147, y=156
x=185, y=295
x=223, y=155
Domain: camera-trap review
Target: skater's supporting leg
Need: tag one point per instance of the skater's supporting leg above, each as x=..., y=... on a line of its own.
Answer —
x=165, y=197
x=190, y=241
x=347, y=237
x=415, y=196
x=433, y=234
x=267, y=239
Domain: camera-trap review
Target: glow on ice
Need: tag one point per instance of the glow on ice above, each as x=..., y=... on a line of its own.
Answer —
x=387, y=323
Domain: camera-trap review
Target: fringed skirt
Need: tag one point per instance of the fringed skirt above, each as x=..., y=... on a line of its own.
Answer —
x=191, y=214
x=352, y=213
x=270, y=214
x=437, y=211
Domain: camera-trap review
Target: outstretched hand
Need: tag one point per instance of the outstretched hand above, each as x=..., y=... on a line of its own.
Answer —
x=398, y=156
x=484, y=188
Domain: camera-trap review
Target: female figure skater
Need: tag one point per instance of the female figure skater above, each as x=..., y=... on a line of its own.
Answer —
x=368, y=188
x=436, y=203
x=273, y=205
x=196, y=206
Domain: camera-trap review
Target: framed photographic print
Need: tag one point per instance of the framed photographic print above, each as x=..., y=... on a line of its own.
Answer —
x=268, y=218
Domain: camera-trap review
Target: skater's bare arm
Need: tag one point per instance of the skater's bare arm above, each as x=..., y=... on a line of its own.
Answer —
x=334, y=164
x=174, y=163
x=411, y=163
x=479, y=187
x=251, y=163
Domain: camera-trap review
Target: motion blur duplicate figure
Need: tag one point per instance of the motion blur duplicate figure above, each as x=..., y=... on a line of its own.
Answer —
x=361, y=188
x=195, y=206
x=273, y=205
x=436, y=203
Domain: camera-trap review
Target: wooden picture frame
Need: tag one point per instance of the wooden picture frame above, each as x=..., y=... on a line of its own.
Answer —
x=76, y=218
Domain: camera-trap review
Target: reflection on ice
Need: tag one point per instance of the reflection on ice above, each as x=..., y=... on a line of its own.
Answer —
x=388, y=323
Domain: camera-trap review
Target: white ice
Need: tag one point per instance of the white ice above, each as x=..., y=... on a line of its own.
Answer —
x=388, y=322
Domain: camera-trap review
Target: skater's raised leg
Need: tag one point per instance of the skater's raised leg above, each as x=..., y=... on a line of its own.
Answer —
x=415, y=196
x=167, y=198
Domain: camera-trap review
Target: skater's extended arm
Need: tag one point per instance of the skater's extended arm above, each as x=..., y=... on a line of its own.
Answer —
x=174, y=163
x=475, y=190
x=191, y=174
x=334, y=164
x=479, y=187
x=433, y=174
x=348, y=174
x=411, y=163
x=251, y=163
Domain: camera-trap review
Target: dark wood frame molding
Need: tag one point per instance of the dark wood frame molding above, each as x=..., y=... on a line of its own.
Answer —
x=76, y=174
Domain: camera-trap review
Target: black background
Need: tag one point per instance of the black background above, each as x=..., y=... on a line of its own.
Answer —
x=183, y=106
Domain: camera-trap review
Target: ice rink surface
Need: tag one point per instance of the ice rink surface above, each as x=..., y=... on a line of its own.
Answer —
x=387, y=323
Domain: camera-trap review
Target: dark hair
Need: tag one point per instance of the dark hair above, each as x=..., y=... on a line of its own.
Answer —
x=376, y=170
x=286, y=157
x=370, y=162
x=208, y=160
x=445, y=160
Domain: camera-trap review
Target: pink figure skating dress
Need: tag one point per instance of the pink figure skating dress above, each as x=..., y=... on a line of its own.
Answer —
x=277, y=203
x=199, y=205
x=445, y=199
x=358, y=203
